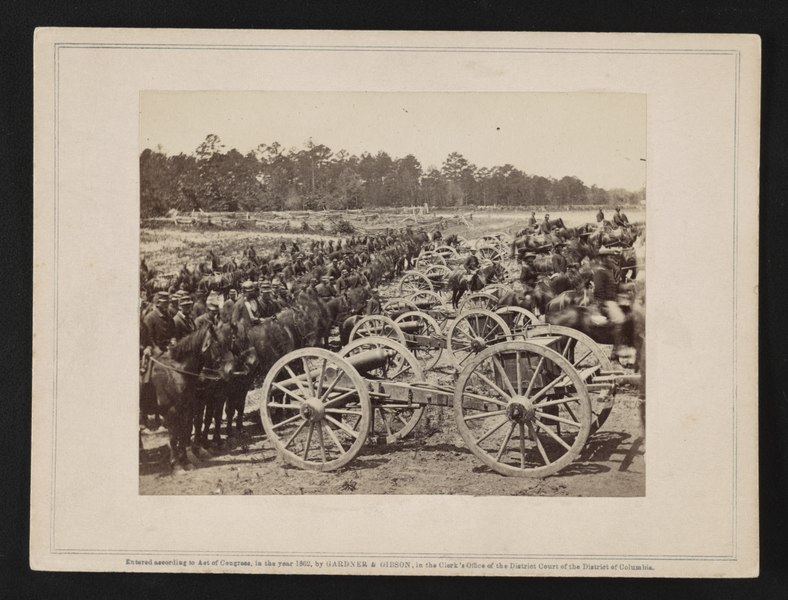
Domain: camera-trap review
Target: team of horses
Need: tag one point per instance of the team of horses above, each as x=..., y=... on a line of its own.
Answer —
x=210, y=371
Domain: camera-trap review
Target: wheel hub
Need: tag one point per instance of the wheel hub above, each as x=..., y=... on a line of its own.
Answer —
x=313, y=410
x=478, y=344
x=520, y=410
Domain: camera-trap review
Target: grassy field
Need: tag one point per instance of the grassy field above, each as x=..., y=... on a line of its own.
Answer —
x=168, y=248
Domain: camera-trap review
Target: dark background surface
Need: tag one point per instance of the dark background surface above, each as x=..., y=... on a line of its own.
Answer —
x=17, y=22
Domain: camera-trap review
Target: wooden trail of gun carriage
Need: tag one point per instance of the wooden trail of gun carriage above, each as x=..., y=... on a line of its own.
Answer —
x=527, y=390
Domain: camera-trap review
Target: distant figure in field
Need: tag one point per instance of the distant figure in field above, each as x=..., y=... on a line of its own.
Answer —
x=620, y=219
x=532, y=222
x=600, y=216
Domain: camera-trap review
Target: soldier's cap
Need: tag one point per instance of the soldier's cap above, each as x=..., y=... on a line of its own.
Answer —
x=213, y=306
x=265, y=286
x=185, y=301
x=325, y=278
x=345, y=271
x=175, y=296
x=232, y=291
x=530, y=255
x=247, y=286
x=162, y=297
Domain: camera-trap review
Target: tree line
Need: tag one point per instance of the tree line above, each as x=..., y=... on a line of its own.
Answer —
x=315, y=177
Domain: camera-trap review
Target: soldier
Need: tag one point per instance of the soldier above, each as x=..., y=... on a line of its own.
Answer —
x=172, y=309
x=528, y=274
x=559, y=260
x=333, y=268
x=159, y=324
x=532, y=222
x=324, y=288
x=183, y=323
x=605, y=294
x=267, y=308
x=600, y=216
x=342, y=282
x=211, y=315
x=246, y=313
x=620, y=219
x=544, y=227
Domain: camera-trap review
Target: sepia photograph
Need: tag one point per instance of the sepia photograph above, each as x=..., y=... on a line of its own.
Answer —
x=392, y=293
x=375, y=303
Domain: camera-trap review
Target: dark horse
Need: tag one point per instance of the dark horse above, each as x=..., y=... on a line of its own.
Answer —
x=460, y=281
x=174, y=376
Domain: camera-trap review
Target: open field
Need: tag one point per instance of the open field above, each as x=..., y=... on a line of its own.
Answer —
x=166, y=248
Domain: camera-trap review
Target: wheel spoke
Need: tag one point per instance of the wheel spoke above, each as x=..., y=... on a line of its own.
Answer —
x=308, y=439
x=552, y=434
x=290, y=393
x=295, y=433
x=334, y=437
x=582, y=358
x=492, y=384
x=330, y=388
x=504, y=376
x=320, y=380
x=284, y=406
x=550, y=386
x=286, y=422
x=308, y=375
x=521, y=431
x=321, y=442
x=559, y=401
x=533, y=377
x=343, y=427
x=475, y=396
x=339, y=398
x=505, y=443
x=519, y=375
x=539, y=445
x=484, y=415
x=543, y=415
x=491, y=431
x=296, y=378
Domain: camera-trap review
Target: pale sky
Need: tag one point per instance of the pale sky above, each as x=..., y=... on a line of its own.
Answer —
x=598, y=137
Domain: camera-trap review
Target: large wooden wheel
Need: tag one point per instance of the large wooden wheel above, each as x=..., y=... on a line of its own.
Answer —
x=478, y=300
x=497, y=289
x=472, y=332
x=397, y=306
x=522, y=409
x=393, y=418
x=429, y=258
x=324, y=407
x=438, y=274
x=517, y=318
x=426, y=300
x=586, y=356
x=447, y=252
x=413, y=281
x=423, y=336
x=378, y=326
x=492, y=253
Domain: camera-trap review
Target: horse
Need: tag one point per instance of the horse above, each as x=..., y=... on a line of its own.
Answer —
x=174, y=376
x=459, y=281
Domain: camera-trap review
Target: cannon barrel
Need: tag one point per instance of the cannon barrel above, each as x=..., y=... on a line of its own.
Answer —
x=409, y=326
x=368, y=360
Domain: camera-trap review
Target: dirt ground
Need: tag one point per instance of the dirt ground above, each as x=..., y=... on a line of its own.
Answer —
x=432, y=460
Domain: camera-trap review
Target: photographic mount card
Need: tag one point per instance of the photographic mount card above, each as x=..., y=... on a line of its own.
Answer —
x=690, y=102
